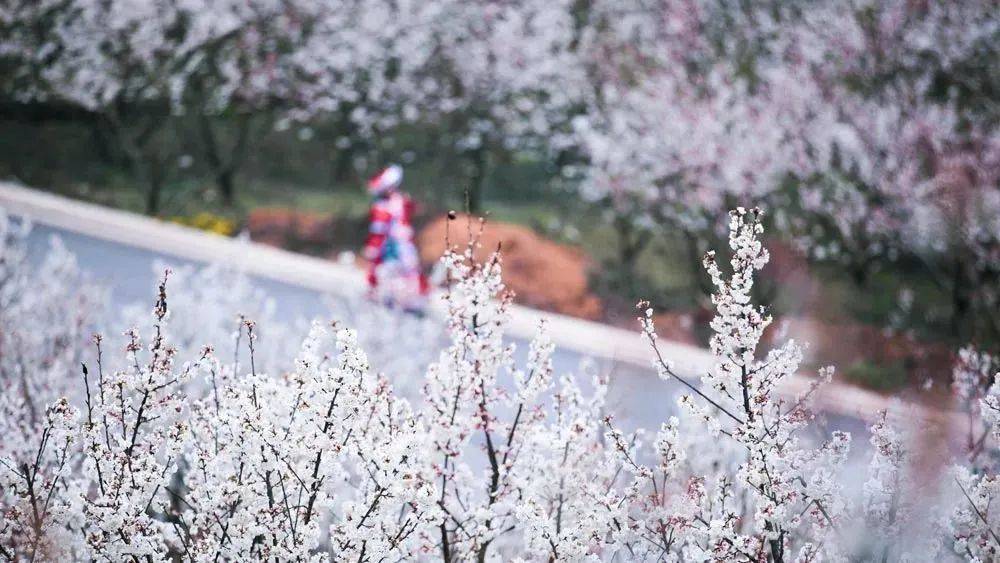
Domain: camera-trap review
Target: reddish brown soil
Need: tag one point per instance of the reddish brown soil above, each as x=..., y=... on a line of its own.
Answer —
x=288, y=228
x=542, y=273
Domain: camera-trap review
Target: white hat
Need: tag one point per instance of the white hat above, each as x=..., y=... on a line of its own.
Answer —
x=389, y=178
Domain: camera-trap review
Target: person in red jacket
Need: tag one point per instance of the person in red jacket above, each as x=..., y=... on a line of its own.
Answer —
x=394, y=274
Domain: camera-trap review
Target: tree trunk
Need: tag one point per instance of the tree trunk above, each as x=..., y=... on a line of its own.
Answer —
x=224, y=170
x=630, y=245
x=477, y=184
x=138, y=151
x=155, y=188
x=342, y=166
x=226, y=181
x=102, y=144
x=153, y=198
x=960, y=302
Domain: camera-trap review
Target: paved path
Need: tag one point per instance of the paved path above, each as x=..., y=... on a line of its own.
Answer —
x=119, y=249
x=636, y=394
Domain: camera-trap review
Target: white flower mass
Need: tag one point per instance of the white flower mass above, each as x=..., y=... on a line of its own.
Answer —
x=160, y=449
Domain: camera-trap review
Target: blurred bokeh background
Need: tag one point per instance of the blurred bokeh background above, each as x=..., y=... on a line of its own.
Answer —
x=605, y=139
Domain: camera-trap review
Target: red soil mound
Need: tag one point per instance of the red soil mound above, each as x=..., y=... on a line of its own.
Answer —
x=288, y=228
x=542, y=273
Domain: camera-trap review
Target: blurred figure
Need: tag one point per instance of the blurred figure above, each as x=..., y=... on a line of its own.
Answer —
x=394, y=275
